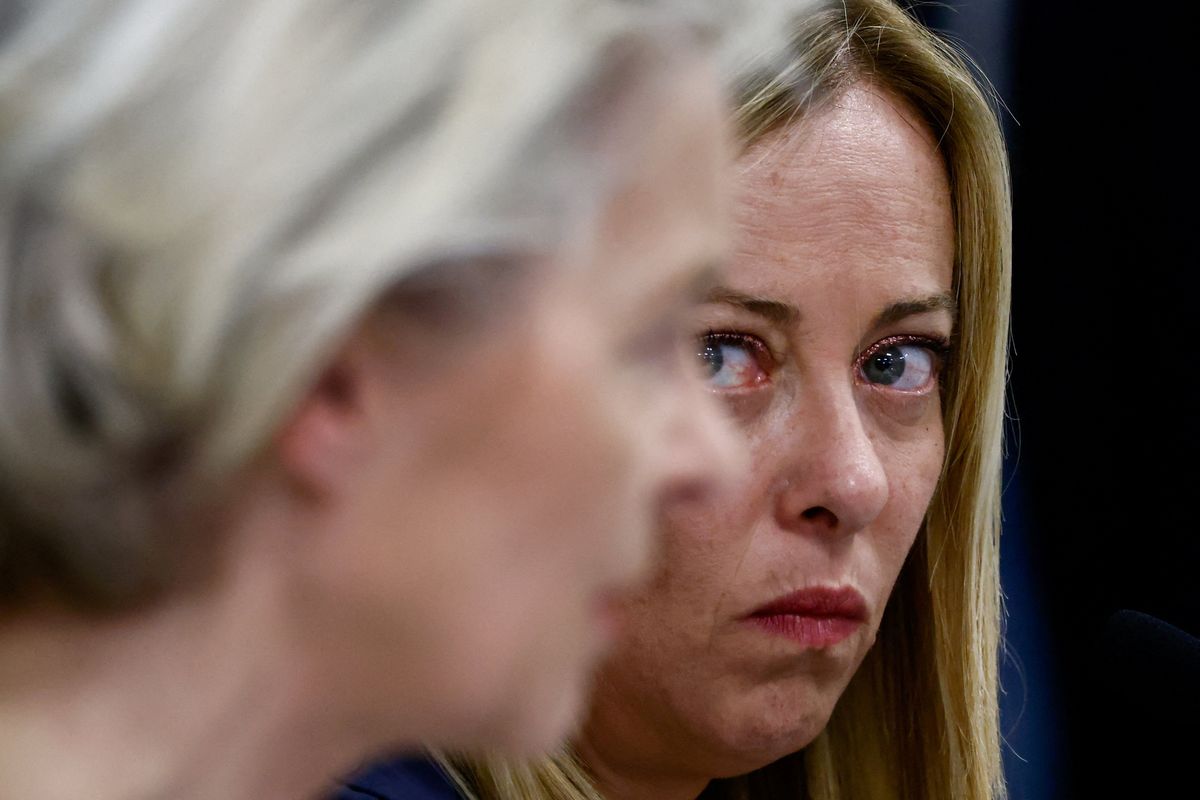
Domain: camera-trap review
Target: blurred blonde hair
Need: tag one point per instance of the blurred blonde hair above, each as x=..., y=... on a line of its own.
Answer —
x=920, y=718
x=198, y=199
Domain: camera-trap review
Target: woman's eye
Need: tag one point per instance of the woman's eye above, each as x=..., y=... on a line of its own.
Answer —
x=904, y=367
x=732, y=360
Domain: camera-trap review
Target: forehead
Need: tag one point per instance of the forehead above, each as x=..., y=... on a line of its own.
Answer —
x=858, y=190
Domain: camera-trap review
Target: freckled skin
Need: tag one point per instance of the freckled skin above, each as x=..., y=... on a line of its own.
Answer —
x=840, y=216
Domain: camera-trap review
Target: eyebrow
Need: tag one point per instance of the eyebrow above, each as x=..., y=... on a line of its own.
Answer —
x=908, y=308
x=772, y=310
x=787, y=314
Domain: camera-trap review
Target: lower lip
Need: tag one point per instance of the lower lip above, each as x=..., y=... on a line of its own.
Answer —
x=807, y=631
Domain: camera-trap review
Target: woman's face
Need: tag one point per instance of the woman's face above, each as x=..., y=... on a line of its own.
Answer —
x=509, y=483
x=825, y=343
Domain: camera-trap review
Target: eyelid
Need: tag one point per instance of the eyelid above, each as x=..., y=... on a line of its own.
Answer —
x=724, y=317
x=756, y=343
x=938, y=345
x=941, y=347
x=758, y=350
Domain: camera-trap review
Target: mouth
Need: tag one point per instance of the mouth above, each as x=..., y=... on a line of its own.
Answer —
x=814, y=618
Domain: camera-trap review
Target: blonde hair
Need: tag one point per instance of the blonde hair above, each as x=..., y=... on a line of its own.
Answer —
x=198, y=198
x=920, y=717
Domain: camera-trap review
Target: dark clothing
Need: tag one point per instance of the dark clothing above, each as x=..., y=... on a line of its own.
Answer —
x=401, y=779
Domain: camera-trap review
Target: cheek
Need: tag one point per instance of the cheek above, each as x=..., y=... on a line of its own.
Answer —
x=925, y=456
x=914, y=473
x=696, y=570
x=570, y=521
x=561, y=453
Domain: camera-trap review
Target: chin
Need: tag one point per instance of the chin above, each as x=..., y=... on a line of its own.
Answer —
x=764, y=732
x=546, y=717
x=757, y=749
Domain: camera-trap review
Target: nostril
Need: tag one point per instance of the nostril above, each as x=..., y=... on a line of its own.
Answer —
x=820, y=514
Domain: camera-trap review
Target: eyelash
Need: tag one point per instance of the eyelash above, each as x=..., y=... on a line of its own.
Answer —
x=940, y=347
x=757, y=345
x=761, y=358
x=937, y=345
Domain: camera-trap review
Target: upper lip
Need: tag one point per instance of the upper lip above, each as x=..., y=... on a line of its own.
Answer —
x=819, y=601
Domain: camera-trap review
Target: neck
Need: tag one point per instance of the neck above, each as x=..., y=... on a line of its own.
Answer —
x=622, y=772
x=202, y=697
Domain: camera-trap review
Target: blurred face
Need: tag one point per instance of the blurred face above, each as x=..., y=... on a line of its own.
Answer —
x=825, y=343
x=507, y=478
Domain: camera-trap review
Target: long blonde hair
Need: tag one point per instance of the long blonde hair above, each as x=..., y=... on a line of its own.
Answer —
x=920, y=717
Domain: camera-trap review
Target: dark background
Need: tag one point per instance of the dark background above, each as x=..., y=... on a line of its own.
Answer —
x=1103, y=477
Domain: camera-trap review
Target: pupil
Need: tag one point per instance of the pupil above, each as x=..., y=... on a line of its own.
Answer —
x=711, y=356
x=887, y=367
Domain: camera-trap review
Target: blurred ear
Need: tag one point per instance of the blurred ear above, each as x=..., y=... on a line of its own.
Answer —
x=324, y=442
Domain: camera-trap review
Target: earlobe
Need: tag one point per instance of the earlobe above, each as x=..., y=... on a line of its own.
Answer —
x=322, y=441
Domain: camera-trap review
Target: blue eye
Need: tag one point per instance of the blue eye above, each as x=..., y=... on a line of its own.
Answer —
x=905, y=367
x=732, y=360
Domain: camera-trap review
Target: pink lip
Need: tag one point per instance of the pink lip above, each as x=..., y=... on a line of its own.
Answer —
x=816, y=618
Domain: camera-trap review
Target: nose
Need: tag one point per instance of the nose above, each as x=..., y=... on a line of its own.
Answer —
x=703, y=452
x=832, y=479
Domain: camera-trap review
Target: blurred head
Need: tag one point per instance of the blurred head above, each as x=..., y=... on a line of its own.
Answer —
x=846, y=587
x=389, y=297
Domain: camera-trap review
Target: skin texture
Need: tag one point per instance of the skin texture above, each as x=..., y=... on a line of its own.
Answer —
x=426, y=551
x=478, y=498
x=842, y=216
